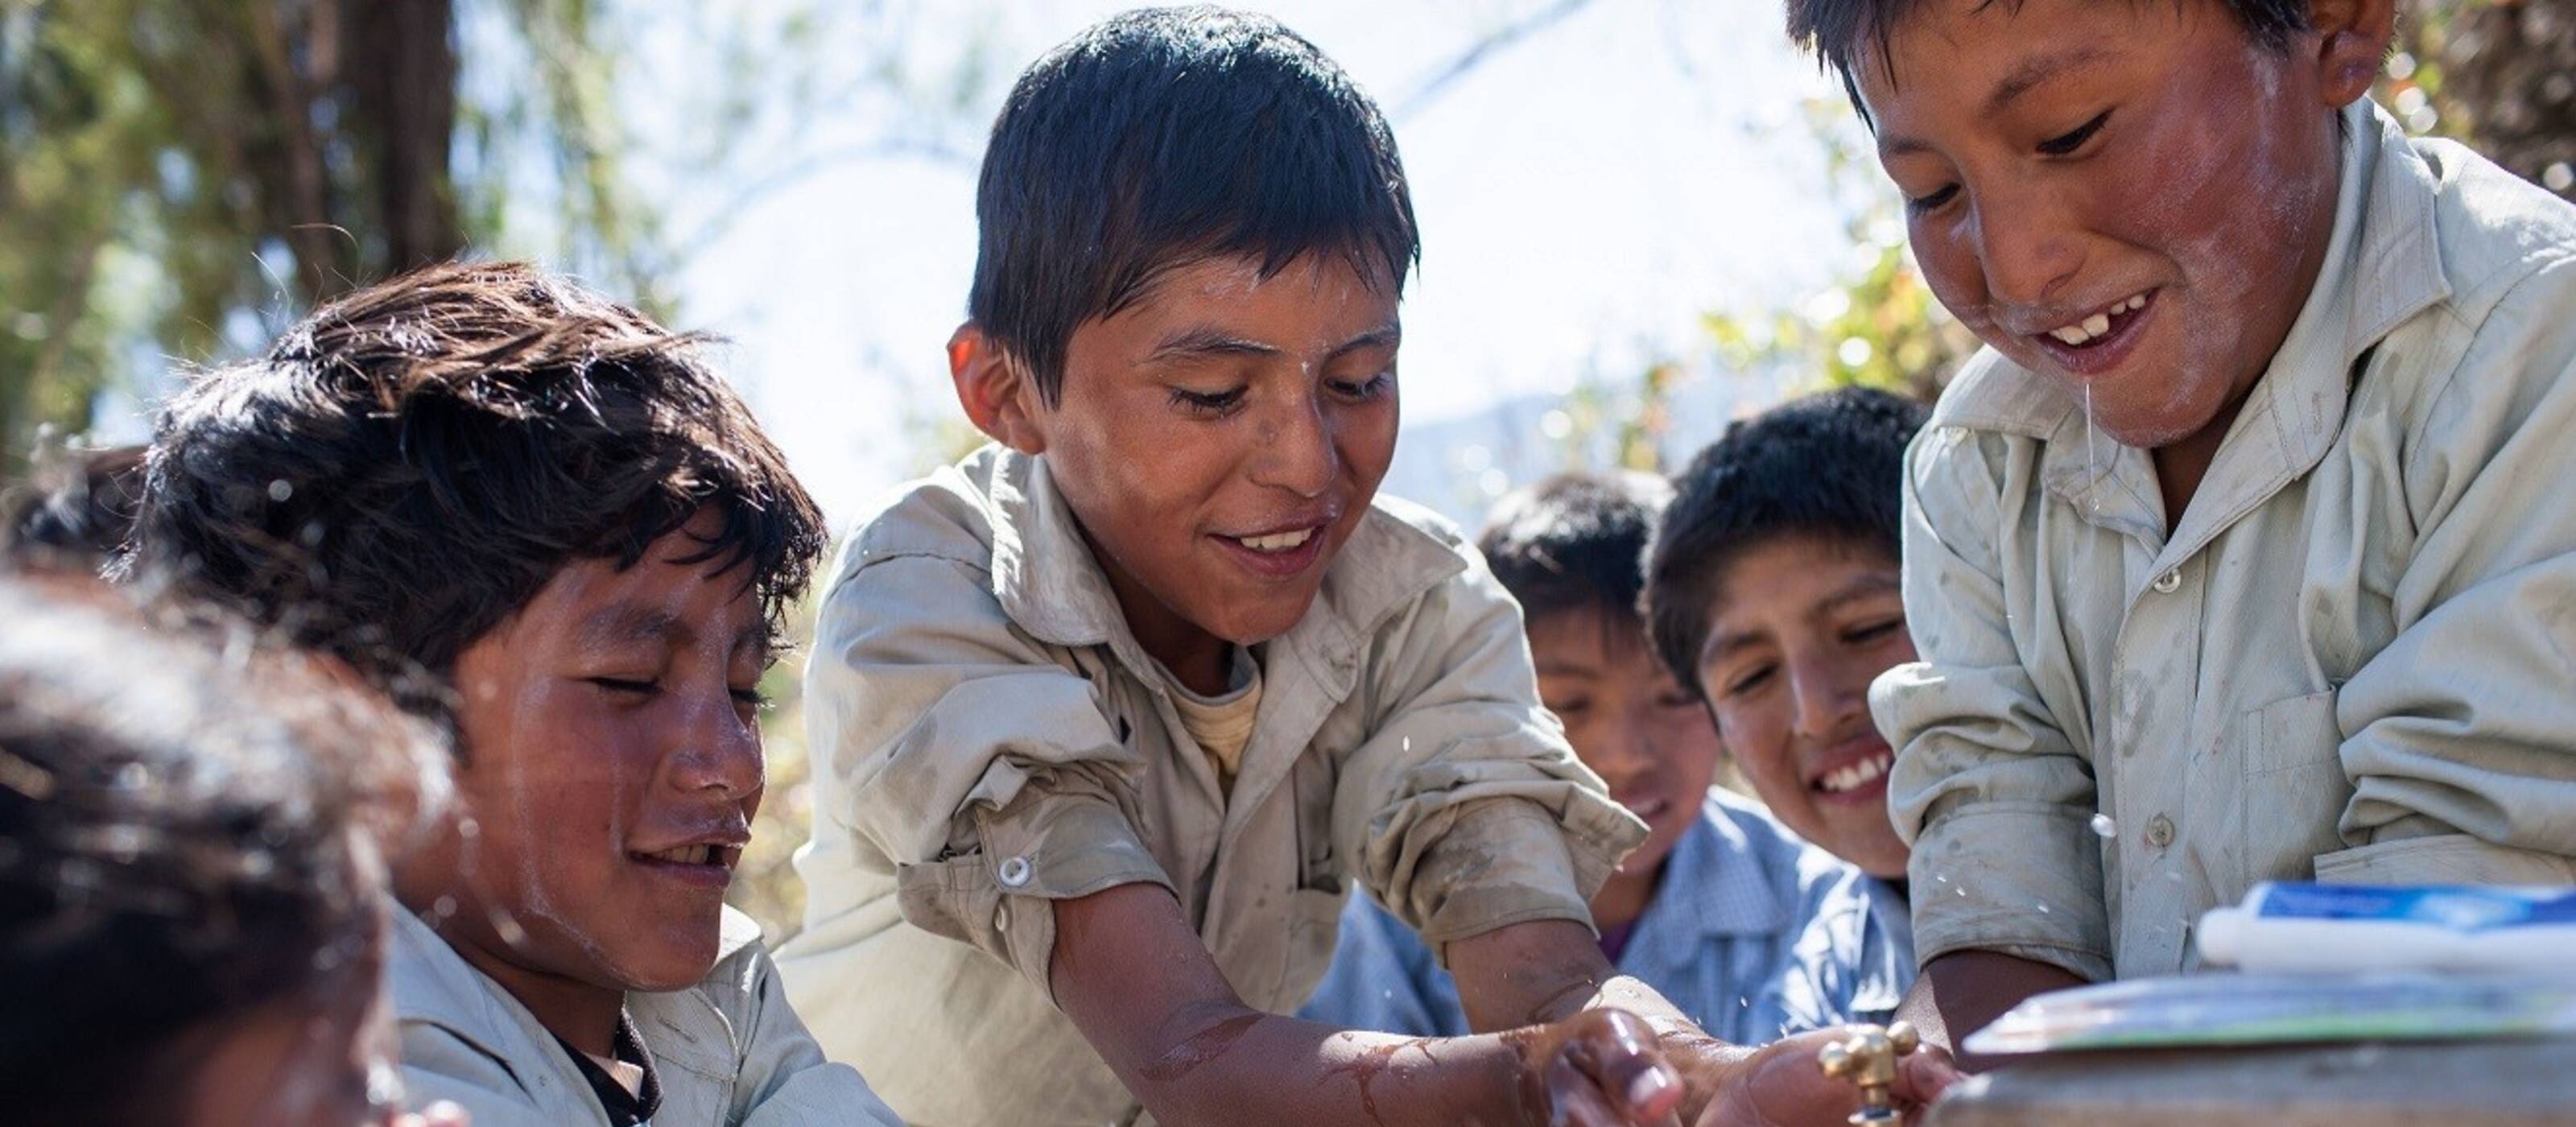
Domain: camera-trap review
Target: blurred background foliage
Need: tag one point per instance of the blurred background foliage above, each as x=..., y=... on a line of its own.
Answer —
x=182, y=178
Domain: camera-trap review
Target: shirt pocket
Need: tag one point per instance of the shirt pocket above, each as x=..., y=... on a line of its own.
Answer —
x=2293, y=788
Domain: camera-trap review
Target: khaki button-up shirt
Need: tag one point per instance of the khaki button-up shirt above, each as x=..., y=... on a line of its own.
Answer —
x=728, y=1052
x=2353, y=660
x=988, y=736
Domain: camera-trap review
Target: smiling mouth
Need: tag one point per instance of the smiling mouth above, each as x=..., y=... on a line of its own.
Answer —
x=1853, y=776
x=2094, y=329
x=1277, y=543
x=710, y=856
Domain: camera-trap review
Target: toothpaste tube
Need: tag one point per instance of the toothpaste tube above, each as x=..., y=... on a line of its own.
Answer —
x=2350, y=928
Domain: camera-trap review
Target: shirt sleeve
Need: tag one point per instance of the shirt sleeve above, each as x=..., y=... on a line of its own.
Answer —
x=1987, y=787
x=784, y=1080
x=987, y=774
x=2460, y=735
x=1465, y=809
x=440, y=1065
x=1383, y=979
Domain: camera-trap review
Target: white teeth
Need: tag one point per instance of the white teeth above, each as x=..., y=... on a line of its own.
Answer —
x=691, y=855
x=1279, y=542
x=2098, y=324
x=1857, y=774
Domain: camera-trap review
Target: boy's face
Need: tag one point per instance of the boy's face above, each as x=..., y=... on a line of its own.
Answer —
x=1628, y=720
x=611, y=764
x=1222, y=436
x=2131, y=198
x=1799, y=628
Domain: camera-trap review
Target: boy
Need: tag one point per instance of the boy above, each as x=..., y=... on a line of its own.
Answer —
x=191, y=919
x=1772, y=592
x=2294, y=602
x=540, y=519
x=1105, y=716
x=1752, y=932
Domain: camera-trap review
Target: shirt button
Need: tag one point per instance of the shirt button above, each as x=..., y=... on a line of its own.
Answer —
x=2167, y=583
x=2160, y=831
x=1014, y=873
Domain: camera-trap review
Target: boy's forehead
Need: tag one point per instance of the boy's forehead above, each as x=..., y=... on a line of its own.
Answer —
x=1982, y=57
x=1316, y=305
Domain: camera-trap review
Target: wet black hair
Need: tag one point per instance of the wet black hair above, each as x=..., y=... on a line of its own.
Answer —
x=1576, y=541
x=1829, y=465
x=1842, y=34
x=1167, y=136
x=189, y=832
x=410, y=464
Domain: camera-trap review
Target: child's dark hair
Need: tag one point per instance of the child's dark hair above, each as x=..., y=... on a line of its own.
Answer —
x=1842, y=33
x=189, y=826
x=1166, y=136
x=1576, y=541
x=76, y=510
x=1830, y=465
x=408, y=466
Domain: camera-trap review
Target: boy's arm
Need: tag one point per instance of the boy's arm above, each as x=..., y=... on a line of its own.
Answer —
x=1133, y=976
x=1968, y=990
x=1987, y=787
x=2460, y=735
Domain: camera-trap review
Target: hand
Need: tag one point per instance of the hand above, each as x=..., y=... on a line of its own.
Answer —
x=1781, y=1085
x=1603, y=1068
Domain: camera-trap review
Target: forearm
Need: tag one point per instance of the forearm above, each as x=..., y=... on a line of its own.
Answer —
x=1546, y=971
x=1230, y=1064
x=1965, y=991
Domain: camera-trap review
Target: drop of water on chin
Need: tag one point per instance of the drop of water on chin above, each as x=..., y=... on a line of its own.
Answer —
x=2092, y=460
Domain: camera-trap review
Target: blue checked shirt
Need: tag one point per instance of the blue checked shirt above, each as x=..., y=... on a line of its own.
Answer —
x=1754, y=933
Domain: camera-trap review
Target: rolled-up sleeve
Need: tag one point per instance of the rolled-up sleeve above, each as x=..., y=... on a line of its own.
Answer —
x=983, y=771
x=1465, y=808
x=2460, y=735
x=1987, y=788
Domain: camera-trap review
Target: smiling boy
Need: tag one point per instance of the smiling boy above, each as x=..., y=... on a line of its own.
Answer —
x=540, y=519
x=1107, y=717
x=1772, y=590
x=2241, y=553
x=1752, y=932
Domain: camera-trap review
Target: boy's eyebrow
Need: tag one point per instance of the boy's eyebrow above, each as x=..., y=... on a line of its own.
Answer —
x=623, y=623
x=1561, y=668
x=1209, y=340
x=2034, y=71
x=1872, y=584
x=2021, y=80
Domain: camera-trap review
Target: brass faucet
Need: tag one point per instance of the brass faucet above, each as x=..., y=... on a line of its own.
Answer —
x=1868, y=1059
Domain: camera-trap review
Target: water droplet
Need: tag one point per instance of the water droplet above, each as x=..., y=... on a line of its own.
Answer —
x=468, y=828
x=132, y=776
x=2103, y=826
x=279, y=490
x=2092, y=457
x=443, y=907
x=2558, y=177
x=2043, y=909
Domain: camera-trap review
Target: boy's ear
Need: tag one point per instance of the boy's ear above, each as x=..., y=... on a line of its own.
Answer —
x=2352, y=42
x=996, y=392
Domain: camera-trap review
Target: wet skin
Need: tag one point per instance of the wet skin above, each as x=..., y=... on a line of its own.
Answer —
x=1221, y=405
x=1635, y=726
x=611, y=719
x=2060, y=158
x=1798, y=628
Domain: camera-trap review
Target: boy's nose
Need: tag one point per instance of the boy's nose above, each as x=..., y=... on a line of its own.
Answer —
x=723, y=755
x=1822, y=701
x=2026, y=252
x=1297, y=451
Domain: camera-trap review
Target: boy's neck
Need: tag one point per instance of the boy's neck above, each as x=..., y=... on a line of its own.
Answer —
x=2182, y=466
x=1624, y=897
x=1201, y=661
x=583, y=1014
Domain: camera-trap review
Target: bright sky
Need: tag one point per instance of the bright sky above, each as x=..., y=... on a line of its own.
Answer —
x=1586, y=194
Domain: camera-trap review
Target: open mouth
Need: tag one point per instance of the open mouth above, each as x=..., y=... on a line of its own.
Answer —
x=704, y=858
x=2100, y=339
x=1647, y=808
x=1851, y=777
x=1281, y=554
x=1277, y=543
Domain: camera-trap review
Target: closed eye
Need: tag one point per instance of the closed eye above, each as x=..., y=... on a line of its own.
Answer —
x=2065, y=143
x=1206, y=402
x=1933, y=202
x=626, y=687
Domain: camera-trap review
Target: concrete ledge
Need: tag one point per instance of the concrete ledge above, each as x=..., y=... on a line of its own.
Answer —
x=2429, y=1084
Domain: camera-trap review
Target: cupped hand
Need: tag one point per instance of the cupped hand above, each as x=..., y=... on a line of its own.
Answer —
x=1603, y=1068
x=1781, y=1085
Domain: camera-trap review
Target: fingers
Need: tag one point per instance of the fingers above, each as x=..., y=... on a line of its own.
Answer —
x=1922, y=1077
x=1622, y=1068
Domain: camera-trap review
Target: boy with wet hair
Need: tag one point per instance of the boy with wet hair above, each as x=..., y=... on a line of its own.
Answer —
x=540, y=519
x=1752, y=932
x=192, y=830
x=2240, y=554
x=1772, y=592
x=1107, y=717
